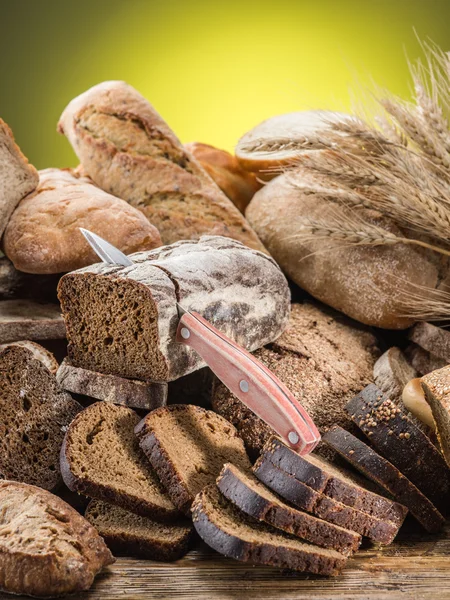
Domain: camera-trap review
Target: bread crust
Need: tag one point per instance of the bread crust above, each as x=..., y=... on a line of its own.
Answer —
x=27, y=320
x=128, y=150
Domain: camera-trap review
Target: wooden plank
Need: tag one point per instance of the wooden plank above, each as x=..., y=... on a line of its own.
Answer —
x=416, y=566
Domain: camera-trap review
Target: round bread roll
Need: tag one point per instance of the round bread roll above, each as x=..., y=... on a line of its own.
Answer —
x=239, y=185
x=43, y=234
x=281, y=140
x=372, y=284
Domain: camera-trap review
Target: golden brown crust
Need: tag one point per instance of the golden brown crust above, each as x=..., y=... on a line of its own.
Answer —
x=129, y=151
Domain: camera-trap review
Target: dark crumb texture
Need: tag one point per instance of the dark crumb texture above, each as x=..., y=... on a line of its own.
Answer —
x=46, y=548
x=128, y=534
x=34, y=414
x=385, y=474
x=248, y=494
x=396, y=437
x=101, y=459
x=305, y=498
x=188, y=446
x=231, y=533
x=337, y=483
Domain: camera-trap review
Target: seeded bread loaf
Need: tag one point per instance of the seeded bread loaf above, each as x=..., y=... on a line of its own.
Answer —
x=146, y=395
x=127, y=534
x=188, y=446
x=34, y=413
x=43, y=234
x=46, y=548
x=385, y=474
x=336, y=483
x=232, y=533
x=101, y=458
x=437, y=390
x=123, y=320
x=322, y=358
x=39, y=352
x=26, y=320
x=17, y=177
x=128, y=150
x=401, y=442
x=302, y=496
x=253, y=498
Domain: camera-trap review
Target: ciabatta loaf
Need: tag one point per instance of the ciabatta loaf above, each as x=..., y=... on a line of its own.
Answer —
x=123, y=320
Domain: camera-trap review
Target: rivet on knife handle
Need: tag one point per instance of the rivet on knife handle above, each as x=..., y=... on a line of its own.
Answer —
x=251, y=382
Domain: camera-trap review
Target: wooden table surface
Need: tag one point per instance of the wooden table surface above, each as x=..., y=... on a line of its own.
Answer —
x=416, y=566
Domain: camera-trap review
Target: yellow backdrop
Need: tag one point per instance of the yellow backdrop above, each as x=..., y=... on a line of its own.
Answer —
x=213, y=69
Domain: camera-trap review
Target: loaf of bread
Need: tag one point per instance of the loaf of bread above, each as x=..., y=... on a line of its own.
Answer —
x=321, y=357
x=46, y=548
x=437, y=390
x=43, y=234
x=239, y=185
x=26, y=320
x=128, y=150
x=123, y=321
x=17, y=177
x=333, y=271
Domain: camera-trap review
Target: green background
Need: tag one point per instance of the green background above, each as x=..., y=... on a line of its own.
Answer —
x=213, y=69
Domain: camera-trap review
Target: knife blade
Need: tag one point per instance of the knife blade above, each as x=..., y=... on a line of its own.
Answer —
x=245, y=376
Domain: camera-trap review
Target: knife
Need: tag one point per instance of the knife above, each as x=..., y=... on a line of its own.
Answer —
x=245, y=376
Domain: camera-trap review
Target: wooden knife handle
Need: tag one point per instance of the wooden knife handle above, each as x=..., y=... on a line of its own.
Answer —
x=249, y=380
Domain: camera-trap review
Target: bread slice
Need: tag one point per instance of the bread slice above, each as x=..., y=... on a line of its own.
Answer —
x=336, y=483
x=423, y=361
x=385, y=474
x=188, y=446
x=232, y=533
x=399, y=440
x=26, y=320
x=437, y=389
x=39, y=352
x=128, y=534
x=46, y=547
x=34, y=413
x=253, y=498
x=324, y=507
x=101, y=458
x=17, y=177
x=435, y=340
x=145, y=395
x=392, y=372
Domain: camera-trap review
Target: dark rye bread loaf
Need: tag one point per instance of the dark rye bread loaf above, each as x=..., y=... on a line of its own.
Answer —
x=324, y=507
x=128, y=534
x=253, y=498
x=34, y=414
x=187, y=446
x=101, y=458
x=321, y=357
x=232, y=533
x=146, y=395
x=435, y=340
x=335, y=482
x=437, y=390
x=382, y=472
x=399, y=440
x=26, y=320
x=46, y=548
x=123, y=320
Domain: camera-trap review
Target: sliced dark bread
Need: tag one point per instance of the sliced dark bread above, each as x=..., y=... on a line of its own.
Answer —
x=423, y=361
x=39, y=352
x=324, y=507
x=253, y=498
x=232, y=533
x=385, y=474
x=437, y=390
x=101, y=458
x=26, y=320
x=399, y=440
x=128, y=534
x=188, y=446
x=34, y=413
x=144, y=395
x=337, y=483
x=435, y=340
